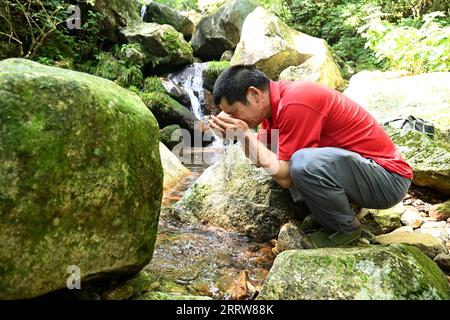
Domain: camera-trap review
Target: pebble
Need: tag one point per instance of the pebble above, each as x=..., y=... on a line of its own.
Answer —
x=411, y=218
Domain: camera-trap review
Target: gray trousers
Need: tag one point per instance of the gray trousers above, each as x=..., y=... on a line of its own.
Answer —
x=329, y=179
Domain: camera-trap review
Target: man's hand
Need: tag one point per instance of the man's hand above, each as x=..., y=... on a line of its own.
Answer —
x=224, y=125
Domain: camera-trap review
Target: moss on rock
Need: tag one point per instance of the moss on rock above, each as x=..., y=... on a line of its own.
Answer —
x=212, y=72
x=80, y=181
x=376, y=272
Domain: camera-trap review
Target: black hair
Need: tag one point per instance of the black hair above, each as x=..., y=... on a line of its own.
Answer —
x=232, y=84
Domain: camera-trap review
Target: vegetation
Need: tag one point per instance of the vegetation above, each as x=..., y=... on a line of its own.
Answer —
x=364, y=34
x=349, y=27
x=417, y=50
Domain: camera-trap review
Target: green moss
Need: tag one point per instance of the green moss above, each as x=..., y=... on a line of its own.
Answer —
x=212, y=72
x=80, y=181
x=174, y=42
x=375, y=272
x=167, y=110
x=153, y=84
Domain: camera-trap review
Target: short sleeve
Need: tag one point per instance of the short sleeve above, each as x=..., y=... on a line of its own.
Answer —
x=299, y=127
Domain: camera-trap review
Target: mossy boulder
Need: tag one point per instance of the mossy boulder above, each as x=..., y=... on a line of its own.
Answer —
x=212, y=72
x=272, y=46
x=168, y=111
x=80, y=180
x=235, y=195
x=220, y=30
x=394, y=272
x=116, y=15
x=161, y=14
x=162, y=44
x=429, y=158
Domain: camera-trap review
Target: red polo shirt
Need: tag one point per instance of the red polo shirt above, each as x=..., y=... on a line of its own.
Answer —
x=309, y=115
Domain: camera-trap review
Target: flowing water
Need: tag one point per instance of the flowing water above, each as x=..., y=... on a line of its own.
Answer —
x=204, y=260
x=191, y=79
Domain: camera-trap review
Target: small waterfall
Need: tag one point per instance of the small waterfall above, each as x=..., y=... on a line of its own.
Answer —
x=191, y=79
x=143, y=10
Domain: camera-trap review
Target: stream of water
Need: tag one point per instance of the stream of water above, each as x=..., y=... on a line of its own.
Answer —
x=204, y=260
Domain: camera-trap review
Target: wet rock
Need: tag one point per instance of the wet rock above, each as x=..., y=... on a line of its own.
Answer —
x=168, y=111
x=177, y=92
x=220, y=30
x=379, y=221
x=162, y=14
x=355, y=273
x=290, y=237
x=162, y=44
x=411, y=218
x=441, y=211
x=272, y=46
x=174, y=171
x=429, y=245
x=235, y=195
x=443, y=261
x=81, y=178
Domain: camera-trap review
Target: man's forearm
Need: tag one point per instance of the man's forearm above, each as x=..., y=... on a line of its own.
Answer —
x=266, y=159
x=259, y=154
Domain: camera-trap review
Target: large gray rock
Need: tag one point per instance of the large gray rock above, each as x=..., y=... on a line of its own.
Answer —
x=116, y=15
x=430, y=159
x=272, y=46
x=220, y=30
x=390, y=95
x=80, y=180
x=394, y=272
x=235, y=195
x=162, y=14
x=162, y=44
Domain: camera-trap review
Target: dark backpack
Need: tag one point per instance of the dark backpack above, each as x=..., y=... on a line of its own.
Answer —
x=414, y=123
